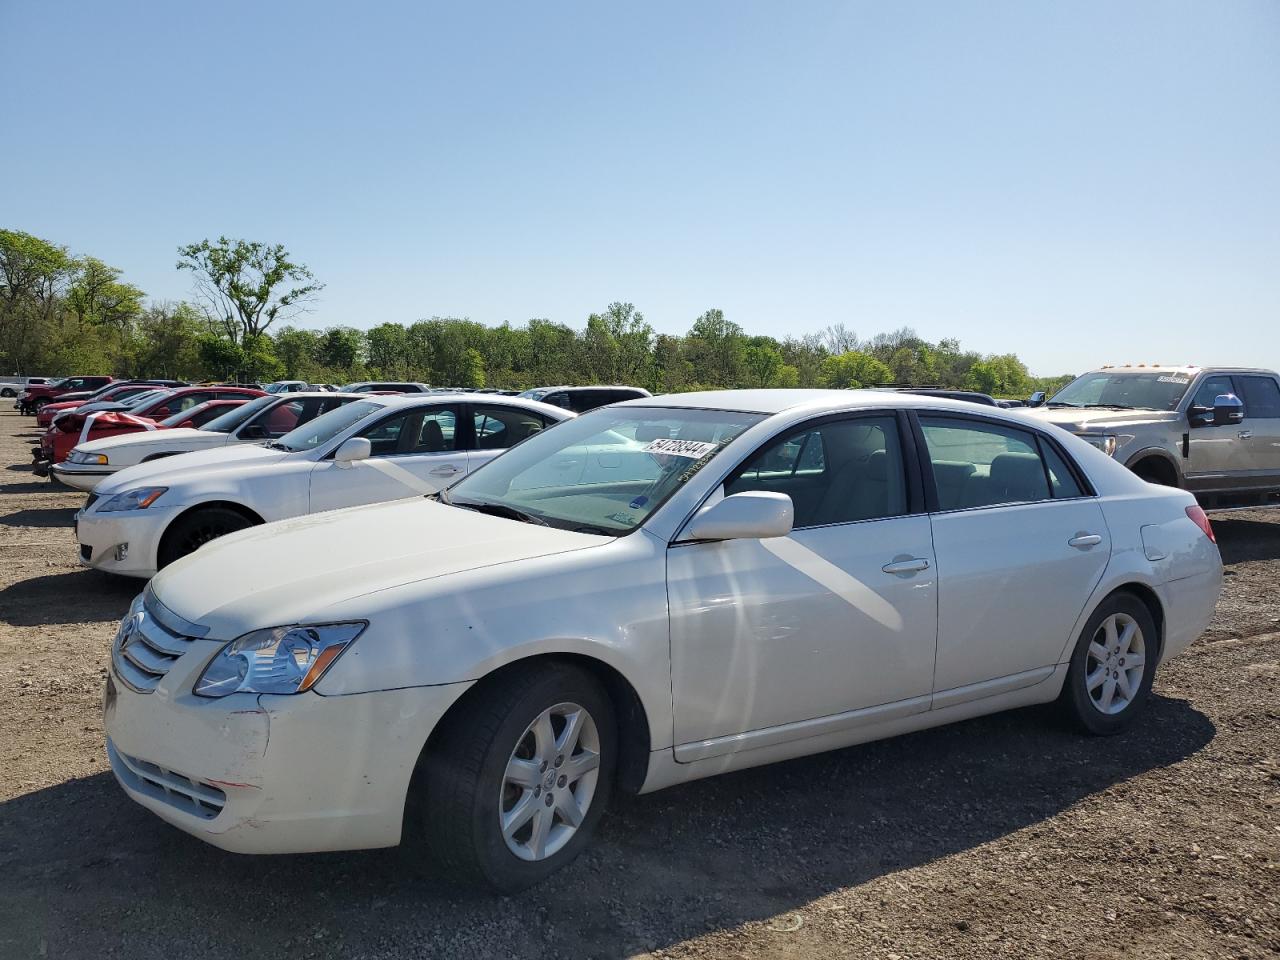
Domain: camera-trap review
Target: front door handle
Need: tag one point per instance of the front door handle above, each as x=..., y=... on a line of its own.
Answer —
x=448, y=470
x=1245, y=434
x=1085, y=540
x=914, y=565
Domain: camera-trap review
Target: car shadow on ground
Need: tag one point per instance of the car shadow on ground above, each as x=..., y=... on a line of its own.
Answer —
x=1241, y=539
x=50, y=517
x=706, y=856
x=42, y=601
x=36, y=486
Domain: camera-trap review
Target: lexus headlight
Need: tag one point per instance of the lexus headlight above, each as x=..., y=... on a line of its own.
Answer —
x=138, y=499
x=277, y=659
x=1106, y=442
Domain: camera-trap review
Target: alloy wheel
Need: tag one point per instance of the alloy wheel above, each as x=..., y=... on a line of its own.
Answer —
x=549, y=782
x=1115, y=664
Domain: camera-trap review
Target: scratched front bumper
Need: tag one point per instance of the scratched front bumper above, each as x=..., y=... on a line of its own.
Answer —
x=300, y=774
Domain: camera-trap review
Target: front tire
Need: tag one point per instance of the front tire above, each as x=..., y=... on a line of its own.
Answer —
x=1114, y=663
x=193, y=530
x=518, y=777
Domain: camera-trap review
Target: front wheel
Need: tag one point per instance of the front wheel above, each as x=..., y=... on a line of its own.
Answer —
x=1113, y=665
x=518, y=778
x=193, y=530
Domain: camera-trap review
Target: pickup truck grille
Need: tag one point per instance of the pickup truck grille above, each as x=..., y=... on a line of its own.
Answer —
x=145, y=651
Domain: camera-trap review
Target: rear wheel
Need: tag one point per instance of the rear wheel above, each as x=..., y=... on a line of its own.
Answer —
x=519, y=776
x=192, y=531
x=1113, y=665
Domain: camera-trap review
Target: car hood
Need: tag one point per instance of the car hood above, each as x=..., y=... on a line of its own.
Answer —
x=171, y=471
x=187, y=436
x=292, y=570
x=1079, y=420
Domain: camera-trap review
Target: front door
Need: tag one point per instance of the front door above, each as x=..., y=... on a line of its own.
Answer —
x=1216, y=458
x=1020, y=547
x=414, y=453
x=830, y=627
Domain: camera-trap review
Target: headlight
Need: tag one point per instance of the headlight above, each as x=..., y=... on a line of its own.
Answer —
x=96, y=458
x=277, y=659
x=1106, y=442
x=138, y=499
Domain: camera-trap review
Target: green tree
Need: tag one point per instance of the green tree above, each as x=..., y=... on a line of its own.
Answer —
x=389, y=349
x=762, y=360
x=717, y=349
x=246, y=286
x=298, y=351
x=96, y=295
x=850, y=371
x=33, y=277
x=340, y=348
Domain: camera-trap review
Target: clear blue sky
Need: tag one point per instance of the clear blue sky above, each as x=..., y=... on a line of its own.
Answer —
x=1076, y=182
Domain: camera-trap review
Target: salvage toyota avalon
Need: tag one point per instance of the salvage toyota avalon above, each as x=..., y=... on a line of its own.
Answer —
x=654, y=592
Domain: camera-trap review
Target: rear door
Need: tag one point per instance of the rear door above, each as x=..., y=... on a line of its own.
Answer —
x=414, y=452
x=1020, y=544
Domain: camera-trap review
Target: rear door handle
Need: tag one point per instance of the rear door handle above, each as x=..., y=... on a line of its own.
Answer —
x=448, y=470
x=906, y=566
x=1085, y=540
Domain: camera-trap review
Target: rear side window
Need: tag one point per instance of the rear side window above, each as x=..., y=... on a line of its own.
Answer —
x=1061, y=480
x=840, y=472
x=500, y=427
x=984, y=464
x=1261, y=397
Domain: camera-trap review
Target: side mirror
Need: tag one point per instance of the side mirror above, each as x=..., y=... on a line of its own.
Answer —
x=1037, y=399
x=353, y=449
x=755, y=515
x=1227, y=409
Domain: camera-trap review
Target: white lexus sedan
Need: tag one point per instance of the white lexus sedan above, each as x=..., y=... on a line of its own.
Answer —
x=261, y=419
x=368, y=450
x=792, y=572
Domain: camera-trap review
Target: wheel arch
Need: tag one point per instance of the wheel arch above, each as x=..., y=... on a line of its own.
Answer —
x=252, y=516
x=633, y=721
x=1143, y=592
x=1158, y=461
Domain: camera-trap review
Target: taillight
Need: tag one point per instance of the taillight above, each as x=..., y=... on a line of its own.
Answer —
x=1199, y=518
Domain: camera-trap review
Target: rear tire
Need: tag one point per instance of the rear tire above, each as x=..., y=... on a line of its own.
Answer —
x=193, y=530
x=496, y=792
x=1114, y=663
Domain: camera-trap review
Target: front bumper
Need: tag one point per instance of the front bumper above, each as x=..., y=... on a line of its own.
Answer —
x=100, y=534
x=82, y=476
x=335, y=777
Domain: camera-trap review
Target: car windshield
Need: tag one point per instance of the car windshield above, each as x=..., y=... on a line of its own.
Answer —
x=355, y=388
x=326, y=426
x=604, y=472
x=182, y=416
x=536, y=394
x=231, y=420
x=137, y=399
x=1151, y=390
x=54, y=383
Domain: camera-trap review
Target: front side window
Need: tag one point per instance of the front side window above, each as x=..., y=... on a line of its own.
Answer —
x=433, y=430
x=500, y=427
x=838, y=472
x=985, y=464
x=1261, y=397
x=1124, y=390
x=1210, y=389
x=604, y=472
x=309, y=434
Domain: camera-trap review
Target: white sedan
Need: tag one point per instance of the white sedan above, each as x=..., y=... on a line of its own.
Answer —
x=795, y=571
x=264, y=418
x=366, y=450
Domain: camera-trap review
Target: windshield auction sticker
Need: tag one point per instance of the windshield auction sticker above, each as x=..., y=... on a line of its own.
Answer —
x=1179, y=380
x=691, y=449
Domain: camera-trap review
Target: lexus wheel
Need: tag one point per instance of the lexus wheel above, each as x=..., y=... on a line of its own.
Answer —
x=518, y=778
x=193, y=530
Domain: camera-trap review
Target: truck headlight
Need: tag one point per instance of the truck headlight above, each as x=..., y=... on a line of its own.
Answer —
x=138, y=499
x=1106, y=442
x=277, y=659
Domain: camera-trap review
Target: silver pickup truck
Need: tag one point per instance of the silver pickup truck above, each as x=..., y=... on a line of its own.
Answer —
x=1214, y=431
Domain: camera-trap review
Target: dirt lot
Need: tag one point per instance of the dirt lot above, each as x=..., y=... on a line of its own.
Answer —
x=1006, y=836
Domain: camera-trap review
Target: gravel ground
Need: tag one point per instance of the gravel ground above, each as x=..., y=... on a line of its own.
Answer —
x=1004, y=836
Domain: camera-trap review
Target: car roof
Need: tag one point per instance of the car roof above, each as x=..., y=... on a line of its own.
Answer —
x=393, y=400
x=771, y=402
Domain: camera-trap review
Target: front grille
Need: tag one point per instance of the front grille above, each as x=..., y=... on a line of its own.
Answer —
x=145, y=651
x=202, y=799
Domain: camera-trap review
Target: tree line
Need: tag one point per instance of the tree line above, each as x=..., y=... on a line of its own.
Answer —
x=62, y=314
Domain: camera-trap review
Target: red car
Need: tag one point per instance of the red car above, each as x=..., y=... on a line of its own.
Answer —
x=112, y=393
x=72, y=429
x=35, y=397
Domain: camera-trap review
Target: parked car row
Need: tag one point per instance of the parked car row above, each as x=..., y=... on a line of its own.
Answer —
x=448, y=644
